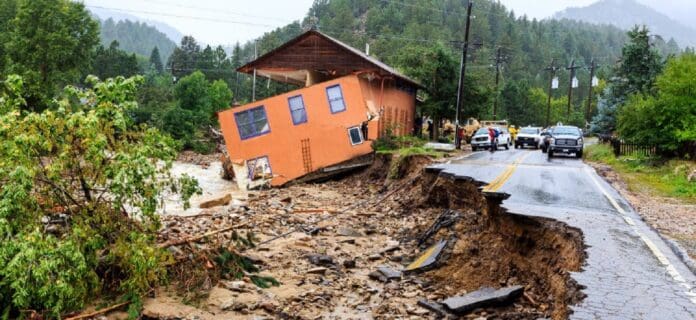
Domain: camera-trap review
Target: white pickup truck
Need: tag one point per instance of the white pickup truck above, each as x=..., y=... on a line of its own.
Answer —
x=528, y=136
x=481, y=140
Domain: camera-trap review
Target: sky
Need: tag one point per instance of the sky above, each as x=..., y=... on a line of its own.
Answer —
x=228, y=21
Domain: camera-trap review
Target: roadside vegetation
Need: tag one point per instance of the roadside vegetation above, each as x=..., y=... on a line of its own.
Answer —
x=404, y=146
x=655, y=176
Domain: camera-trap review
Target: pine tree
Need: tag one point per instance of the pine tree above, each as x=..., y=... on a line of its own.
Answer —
x=156, y=60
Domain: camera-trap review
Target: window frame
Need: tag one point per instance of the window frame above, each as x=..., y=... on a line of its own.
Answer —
x=350, y=137
x=268, y=160
x=251, y=114
x=304, y=109
x=343, y=99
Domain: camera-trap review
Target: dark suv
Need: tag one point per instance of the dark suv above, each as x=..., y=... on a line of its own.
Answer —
x=566, y=139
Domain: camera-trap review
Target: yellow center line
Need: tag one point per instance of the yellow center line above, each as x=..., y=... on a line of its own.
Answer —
x=498, y=182
x=419, y=262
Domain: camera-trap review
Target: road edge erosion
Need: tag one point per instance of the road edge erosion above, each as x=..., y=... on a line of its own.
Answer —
x=488, y=246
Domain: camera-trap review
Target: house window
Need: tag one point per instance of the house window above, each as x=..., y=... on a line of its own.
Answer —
x=252, y=122
x=297, y=110
x=355, y=135
x=336, y=99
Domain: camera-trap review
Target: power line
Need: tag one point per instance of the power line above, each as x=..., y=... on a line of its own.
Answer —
x=245, y=15
x=184, y=16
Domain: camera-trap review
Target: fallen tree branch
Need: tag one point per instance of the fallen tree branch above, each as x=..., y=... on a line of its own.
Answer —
x=315, y=211
x=205, y=235
x=98, y=312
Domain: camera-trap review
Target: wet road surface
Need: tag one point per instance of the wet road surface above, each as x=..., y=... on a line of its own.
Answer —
x=630, y=272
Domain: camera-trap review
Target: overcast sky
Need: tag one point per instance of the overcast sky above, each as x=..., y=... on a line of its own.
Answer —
x=228, y=21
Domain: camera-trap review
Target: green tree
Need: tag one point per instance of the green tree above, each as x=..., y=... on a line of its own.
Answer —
x=640, y=65
x=197, y=100
x=669, y=118
x=80, y=189
x=111, y=62
x=156, y=60
x=49, y=43
x=184, y=59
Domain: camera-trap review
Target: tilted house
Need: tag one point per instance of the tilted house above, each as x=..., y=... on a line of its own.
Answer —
x=347, y=100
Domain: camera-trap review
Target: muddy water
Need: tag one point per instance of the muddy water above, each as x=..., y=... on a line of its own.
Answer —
x=210, y=182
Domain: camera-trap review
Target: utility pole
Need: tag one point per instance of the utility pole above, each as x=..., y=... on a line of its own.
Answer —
x=572, y=69
x=552, y=68
x=593, y=66
x=462, y=73
x=498, y=61
x=253, y=83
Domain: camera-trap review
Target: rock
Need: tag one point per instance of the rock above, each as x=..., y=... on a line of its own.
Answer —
x=349, y=264
x=483, y=298
x=320, y=260
x=389, y=273
x=318, y=270
x=235, y=285
x=376, y=275
x=375, y=256
x=216, y=202
x=348, y=232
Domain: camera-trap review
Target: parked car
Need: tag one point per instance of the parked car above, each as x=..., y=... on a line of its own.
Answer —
x=529, y=136
x=545, y=137
x=566, y=139
x=480, y=140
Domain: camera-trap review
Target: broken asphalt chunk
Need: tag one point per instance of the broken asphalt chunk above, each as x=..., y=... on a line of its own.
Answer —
x=428, y=258
x=389, y=273
x=436, y=307
x=485, y=297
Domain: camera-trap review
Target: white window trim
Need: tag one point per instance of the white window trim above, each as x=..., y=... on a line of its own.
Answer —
x=362, y=139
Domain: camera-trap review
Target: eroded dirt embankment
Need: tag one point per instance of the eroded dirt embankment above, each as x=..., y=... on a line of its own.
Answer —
x=493, y=247
x=403, y=210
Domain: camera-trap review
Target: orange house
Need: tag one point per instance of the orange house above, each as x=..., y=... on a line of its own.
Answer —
x=347, y=100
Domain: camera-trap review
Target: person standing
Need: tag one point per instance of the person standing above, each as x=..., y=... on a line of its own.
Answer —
x=492, y=138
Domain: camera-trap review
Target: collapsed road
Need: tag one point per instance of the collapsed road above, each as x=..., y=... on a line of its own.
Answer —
x=629, y=272
x=424, y=245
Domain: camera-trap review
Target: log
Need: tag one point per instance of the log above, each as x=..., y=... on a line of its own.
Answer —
x=98, y=312
x=205, y=235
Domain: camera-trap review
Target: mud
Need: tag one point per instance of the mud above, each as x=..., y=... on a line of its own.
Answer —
x=371, y=219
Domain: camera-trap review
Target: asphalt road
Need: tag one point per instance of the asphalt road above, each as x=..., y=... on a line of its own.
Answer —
x=630, y=271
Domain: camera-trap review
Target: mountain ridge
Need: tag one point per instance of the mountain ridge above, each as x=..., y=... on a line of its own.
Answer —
x=625, y=14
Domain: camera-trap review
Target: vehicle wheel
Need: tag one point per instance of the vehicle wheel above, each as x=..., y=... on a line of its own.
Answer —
x=579, y=154
x=474, y=149
x=550, y=153
x=507, y=146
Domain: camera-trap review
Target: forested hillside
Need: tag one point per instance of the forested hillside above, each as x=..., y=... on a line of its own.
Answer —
x=627, y=13
x=136, y=37
x=402, y=33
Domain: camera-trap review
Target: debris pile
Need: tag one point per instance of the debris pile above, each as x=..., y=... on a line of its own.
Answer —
x=371, y=247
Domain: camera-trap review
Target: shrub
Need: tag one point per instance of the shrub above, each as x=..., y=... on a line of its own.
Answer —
x=79, y=190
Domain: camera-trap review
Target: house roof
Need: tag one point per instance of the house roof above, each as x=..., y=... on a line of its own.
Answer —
x=314, y=51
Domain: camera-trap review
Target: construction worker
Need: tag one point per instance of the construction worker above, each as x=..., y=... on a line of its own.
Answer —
x=513, y=132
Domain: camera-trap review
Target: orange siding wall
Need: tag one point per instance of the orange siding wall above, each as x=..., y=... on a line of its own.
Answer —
x=327, y=133
x=398, y=107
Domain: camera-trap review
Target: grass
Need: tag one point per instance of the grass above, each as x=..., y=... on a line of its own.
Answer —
x=405, y=146
x=667, y=178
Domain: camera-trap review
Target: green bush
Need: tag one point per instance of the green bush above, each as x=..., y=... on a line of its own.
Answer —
x=80, y=186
